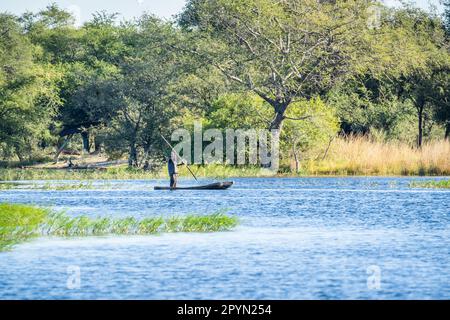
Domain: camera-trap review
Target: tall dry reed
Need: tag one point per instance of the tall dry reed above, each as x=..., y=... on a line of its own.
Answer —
x=359, y=155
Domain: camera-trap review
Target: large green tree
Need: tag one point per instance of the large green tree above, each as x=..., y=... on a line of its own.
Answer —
x=447, y=15
x=419, y=62
x=89, y=101
x=28, y=95
x=89, y=57
x=284, y=51
x=406, y=76
x=144, y=92
x=54, y=31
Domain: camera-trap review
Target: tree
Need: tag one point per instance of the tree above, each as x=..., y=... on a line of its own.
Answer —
x=239, y=111
x=28, y=95
x=89, y=99
x=443, y=111
x=370, y=105
x=440, y=98
x=145, y=92
x=87, y=89
x=249, y=111
x=106, y=40
x=447, y=16
x=423, y=78
x=301, y=137
x=89, y=57
x=408, y=55
x=53, y=30
x=425, y=93
x=199, y=87
x=283, y=51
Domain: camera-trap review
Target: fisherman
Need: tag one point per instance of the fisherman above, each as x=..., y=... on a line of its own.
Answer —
x=173, y=170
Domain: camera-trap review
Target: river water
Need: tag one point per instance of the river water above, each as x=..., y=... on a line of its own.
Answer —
x=298, y=238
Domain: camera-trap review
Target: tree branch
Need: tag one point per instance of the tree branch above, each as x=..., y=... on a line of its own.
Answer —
x=297, y=119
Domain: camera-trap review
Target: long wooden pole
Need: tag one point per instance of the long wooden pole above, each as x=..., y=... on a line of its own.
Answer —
x=179, y=157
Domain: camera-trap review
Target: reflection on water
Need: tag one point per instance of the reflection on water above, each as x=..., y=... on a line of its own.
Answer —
x=298, y=239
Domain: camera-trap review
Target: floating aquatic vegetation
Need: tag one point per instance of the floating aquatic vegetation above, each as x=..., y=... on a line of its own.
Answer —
x=8, y=185
x=445, y=184
x=52, y=186
x=65, y=186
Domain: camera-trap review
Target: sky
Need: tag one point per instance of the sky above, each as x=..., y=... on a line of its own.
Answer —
x=83, y=9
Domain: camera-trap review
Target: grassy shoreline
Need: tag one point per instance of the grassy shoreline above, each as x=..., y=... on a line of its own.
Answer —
x=214, y=171
x=19, y=223
x=351, y=156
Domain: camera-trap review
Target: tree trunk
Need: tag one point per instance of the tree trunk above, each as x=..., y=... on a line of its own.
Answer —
x=447, y=130
x=19, y=155
x=328, y=147
x=132, y=159
x=85, y=137
x=58, y=152
x=97, y=145
x=296, y=159
x=420, y=118
x=277, y=121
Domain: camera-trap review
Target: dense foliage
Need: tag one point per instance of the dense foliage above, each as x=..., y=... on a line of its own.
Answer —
x=313, y=69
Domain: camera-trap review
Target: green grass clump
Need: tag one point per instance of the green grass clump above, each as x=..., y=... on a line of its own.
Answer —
x=8, y=185
x=214, y=222
x=445, y=184
x=19, y=223
x=60, y=224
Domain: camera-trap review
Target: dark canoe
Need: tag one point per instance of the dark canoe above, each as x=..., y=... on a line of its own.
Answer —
x=212, y=186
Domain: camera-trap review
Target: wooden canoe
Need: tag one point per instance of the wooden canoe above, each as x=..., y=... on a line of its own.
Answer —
x=212, y=186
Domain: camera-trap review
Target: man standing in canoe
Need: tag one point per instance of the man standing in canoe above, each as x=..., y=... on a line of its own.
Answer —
x=172, y=165
x=173, y=170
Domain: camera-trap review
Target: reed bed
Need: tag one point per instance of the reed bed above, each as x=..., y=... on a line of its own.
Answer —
x=353, y=155
x=20, y=223
x=358, y=155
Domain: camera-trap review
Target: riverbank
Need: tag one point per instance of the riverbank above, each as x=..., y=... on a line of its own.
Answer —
x=351, y=156
x=212, y=171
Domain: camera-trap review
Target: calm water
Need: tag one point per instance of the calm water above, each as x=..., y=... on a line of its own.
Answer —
x=301, y=238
